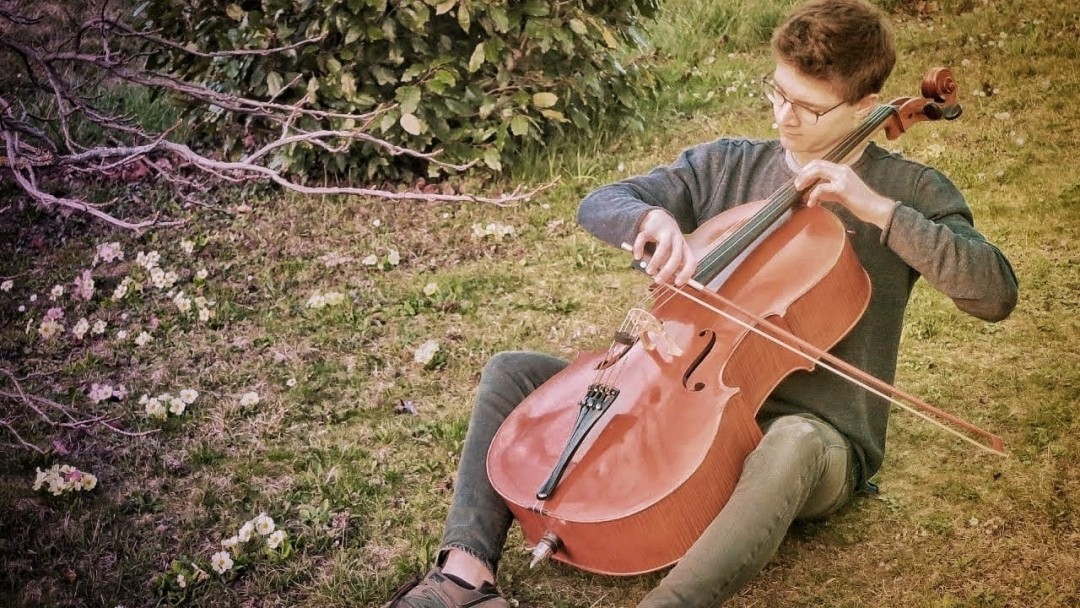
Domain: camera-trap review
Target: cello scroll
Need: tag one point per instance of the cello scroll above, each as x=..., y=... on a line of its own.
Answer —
x=939, y=101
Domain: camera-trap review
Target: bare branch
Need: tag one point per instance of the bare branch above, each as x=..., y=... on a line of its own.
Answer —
x=127, y=31
x=32, y=402
x=64, y=72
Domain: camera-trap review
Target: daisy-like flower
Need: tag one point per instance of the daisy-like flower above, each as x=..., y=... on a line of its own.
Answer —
x=81, y=327
x=187, y=246
x=121, y=335
x=154, y=409
x=393, y=258
x=201, y=274
x=291, y=382
x=99, y=327
x=176, y=406
x=264, y=524
x=108, y=252
x=122, y=289
x=245, y=532
x=221, y=562
x=249, y=398
x=57, y=291
x=143, y=338
x=183, y=303
x=230, y=542
x=275, y=539
x=100, y=392
x=148, y=260
x=189, y=395
x=370, y=260
x=431, y=289
x=88, y=482
x=7, y=285
x=50, y=329
x=181, y=581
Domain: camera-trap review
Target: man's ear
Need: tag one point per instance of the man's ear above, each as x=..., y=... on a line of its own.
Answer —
x=865, y=105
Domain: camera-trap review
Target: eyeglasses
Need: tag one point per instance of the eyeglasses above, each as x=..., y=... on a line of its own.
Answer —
x=802, y=112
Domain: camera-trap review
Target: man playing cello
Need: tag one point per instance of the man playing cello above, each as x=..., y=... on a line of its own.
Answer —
x=823, y=438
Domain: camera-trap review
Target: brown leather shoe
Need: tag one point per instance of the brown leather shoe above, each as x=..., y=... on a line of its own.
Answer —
x=435, y=590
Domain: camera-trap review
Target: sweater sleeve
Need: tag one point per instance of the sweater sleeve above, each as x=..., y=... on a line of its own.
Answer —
x=941, y=243
x=614, y=212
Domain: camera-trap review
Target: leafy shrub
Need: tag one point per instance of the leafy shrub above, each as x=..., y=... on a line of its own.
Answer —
x=474, y=78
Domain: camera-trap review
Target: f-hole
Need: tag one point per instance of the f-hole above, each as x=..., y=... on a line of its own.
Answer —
x=698, y=359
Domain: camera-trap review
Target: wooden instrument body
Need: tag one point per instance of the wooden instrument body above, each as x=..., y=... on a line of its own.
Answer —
x=665, y=457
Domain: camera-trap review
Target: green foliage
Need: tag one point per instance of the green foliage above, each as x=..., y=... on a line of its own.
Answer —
x=474, y=78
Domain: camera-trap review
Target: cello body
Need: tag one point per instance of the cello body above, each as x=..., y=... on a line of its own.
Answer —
x=665, y=456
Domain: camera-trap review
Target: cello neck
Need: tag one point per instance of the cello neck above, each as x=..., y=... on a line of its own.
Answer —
x=724, y=253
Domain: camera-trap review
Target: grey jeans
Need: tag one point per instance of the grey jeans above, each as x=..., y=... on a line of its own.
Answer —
x=802, y=469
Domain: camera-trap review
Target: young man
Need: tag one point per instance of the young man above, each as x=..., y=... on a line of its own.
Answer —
x=823, y=437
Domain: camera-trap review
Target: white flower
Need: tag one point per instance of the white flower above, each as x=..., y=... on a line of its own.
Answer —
x=274, y=540
x=50, y=329
x=221, y=562
x=108, y=252
x=57, y=291
x=264, y=524
x=291, y=382
x=121, y=335
x=157, y=277
x=426, y=352
x=181, y=581
x=431, y=289
x=188, y=395
x=80, y=328
x=100, y=392
x=230, y=542
x=245, y=532
x=370, y=260
x=176, y=406
x=98, y=327
x=376, y=222
x=121, y=290
x=201, y=274
x=148, y=260
x=205, y=314
x=393, y=258
x=248, y=399
x=89, y=482
x=187, y=246
x=64, y=478
x=154, y=409
x=143, y=338
x=183, y=303
x=7, y=285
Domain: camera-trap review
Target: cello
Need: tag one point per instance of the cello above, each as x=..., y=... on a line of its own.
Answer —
x=619, y=462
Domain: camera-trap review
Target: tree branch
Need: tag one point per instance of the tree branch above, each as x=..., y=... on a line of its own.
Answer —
x=62, y=71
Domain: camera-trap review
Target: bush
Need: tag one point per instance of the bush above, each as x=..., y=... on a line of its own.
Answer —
x=474, y=78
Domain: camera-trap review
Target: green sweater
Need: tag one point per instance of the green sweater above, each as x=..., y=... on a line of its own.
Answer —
x=930, y=235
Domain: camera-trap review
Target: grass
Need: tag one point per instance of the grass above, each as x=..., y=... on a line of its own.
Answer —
x=362, y=490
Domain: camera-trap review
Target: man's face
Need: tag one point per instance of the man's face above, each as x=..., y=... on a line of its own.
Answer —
x=811, y=115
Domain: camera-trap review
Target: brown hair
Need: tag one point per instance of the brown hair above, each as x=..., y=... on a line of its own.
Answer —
x=847, y=42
